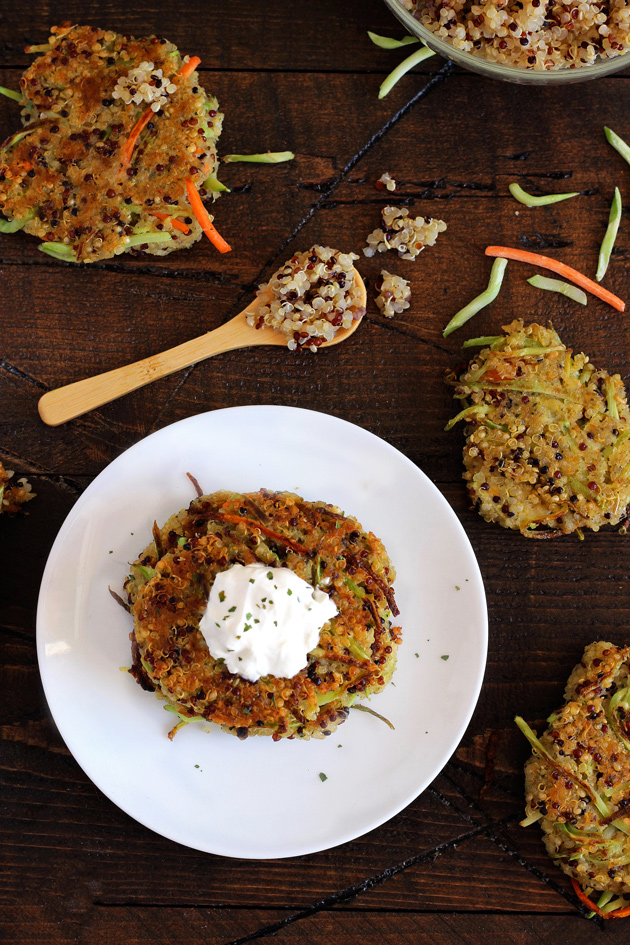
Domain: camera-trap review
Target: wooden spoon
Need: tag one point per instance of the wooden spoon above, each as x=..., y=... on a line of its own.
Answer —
x=71, y=401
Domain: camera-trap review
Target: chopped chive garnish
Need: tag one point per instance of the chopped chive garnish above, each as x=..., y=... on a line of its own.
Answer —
x=557, y=285
x=403, y=68
x=322, y=776
x=231, y=609
x=445, y=657
x=530, y=201
x=270, y=575
x=221, y=596
x=269, y=157
x=385, y=42
x=611, y=235
x=486, y=297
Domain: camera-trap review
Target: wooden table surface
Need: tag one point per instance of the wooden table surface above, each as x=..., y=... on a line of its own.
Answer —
x=454, y=866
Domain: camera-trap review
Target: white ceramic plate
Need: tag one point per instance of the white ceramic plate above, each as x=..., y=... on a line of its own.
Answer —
x=258, y=798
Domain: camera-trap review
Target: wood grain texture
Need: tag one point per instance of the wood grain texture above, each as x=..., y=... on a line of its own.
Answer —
x=454, y=866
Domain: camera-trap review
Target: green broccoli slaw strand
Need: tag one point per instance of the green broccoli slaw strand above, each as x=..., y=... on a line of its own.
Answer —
x=545, y=200
x=611, y=235
x=556, y=285
x=486, y=297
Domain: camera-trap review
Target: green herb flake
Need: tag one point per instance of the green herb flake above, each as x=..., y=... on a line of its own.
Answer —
x=457, y=587
x=444, y=657
x=417, y=656
x=232, y=609
x=270, y=575
x=322, y=776
x=289, y=592
x=181, y=541
x=196, y=766
x=251, y=580
x=221, y=596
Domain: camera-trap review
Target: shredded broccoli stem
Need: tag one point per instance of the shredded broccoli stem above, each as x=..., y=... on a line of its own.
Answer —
x=403, y=68
x=608, y=242
x=16, y=96
x=476, y=410
x=12, y=226
x=269, y=157
x=531, y=819
x=43, y=47
x=377, y=715
x=139, y=238
x=530, y=201
x=353, y=586
x=483, y=341
x=58, y=251
x=147, y=573
x=557, y=285
x=486, y=297
x=211, y=183
x=385, y=42
x=618, y=144
x=599, y=802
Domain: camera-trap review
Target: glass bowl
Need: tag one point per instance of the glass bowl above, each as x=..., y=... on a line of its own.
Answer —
x=494, y=70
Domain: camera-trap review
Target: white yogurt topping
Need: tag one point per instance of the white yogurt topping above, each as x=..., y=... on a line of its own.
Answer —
x=264, y=621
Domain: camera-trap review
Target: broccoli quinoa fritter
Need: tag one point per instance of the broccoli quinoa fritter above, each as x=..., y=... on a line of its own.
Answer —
x=547, y=438
x=78, y=178
x=168, y=591
x=577, y=781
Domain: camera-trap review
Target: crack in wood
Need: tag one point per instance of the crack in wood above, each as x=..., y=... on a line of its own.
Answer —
x=22, y=375
x=506, y=847
x=366, y=885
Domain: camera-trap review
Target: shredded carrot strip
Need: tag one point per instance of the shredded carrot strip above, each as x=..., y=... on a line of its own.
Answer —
x=183, y=73
x=173, y=220
x=188, y=67
x=133, y=137
x=203, y=218
x=617, y=914
x=545, y=262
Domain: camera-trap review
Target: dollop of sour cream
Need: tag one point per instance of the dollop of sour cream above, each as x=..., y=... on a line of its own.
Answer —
x=264, y=621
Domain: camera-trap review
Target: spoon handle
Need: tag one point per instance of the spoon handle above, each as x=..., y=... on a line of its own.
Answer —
x=66, y=403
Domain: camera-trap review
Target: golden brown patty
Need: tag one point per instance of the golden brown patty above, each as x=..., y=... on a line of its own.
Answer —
x=64, y=177
x=168, y=592
x=577, y=781
x=547, y=438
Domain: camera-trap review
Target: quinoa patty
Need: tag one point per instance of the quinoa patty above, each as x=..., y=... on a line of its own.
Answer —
x=168, y=591
x=547, y=438
x=577, y=781
x=69, y=176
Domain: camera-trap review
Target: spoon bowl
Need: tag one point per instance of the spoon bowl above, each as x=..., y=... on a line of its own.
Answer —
x=73, y=400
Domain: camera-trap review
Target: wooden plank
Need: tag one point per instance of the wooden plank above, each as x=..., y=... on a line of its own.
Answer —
x=247, y=35
x=125, y=925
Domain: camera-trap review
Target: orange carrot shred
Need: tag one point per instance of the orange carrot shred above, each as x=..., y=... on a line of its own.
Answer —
x=133, y=137
x=545, y=262
x=203, y=218
x=139, y=126
x=173, y=220
x=617, y=914
x=188, y=67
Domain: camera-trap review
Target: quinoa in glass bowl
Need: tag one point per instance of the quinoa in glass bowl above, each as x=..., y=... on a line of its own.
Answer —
x=525, y=41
